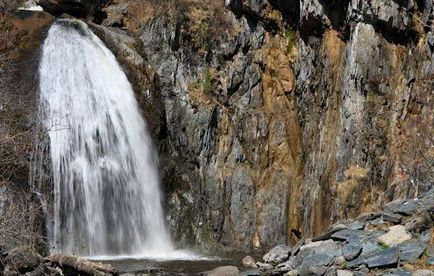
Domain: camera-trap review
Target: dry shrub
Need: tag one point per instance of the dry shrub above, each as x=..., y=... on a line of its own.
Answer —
x=11, y=4
x=200, y=23
x=20, y=211
x=21, y=221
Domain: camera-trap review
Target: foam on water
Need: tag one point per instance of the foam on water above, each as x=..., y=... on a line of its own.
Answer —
x=107, y=199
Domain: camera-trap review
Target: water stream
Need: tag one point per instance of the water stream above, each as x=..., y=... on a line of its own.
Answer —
x=107, y=198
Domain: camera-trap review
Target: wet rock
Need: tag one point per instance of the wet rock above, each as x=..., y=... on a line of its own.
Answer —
x=397, y=234
x=411, y=251
x=224, y=271
x=351, y=251
x=249, y=262
x=278, y=254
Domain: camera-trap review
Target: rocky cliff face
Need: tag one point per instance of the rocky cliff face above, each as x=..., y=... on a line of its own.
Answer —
x=285, y=117
x=274, y=119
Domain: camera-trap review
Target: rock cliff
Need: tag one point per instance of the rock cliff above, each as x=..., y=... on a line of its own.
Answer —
x=274, y=119
x=286, y=116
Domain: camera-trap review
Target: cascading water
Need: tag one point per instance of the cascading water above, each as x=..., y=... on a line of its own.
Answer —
x=106, y=187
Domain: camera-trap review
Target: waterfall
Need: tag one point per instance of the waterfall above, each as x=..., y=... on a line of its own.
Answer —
x=107, y=199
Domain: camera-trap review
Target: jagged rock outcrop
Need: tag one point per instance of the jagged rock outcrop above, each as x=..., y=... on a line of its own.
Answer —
x=287, y=118
x=371, y=244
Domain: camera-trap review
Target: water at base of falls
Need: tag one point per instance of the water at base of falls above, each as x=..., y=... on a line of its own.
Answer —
x=107, y=199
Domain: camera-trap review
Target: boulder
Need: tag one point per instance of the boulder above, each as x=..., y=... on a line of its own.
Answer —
x=278, y=254
x=249, y=262
x=224, y=271
x=396, y=235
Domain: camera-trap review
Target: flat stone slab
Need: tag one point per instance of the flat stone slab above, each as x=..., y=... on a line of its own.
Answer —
x=382, y=258
x=411, y=251
x=396, y=235
x=350, y=251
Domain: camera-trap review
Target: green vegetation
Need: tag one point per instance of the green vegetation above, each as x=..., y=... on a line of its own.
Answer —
x=207, y=81
x=384, y=246
x=291, y=39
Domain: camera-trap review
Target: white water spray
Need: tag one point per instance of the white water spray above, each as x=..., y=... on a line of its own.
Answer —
x=106, y=186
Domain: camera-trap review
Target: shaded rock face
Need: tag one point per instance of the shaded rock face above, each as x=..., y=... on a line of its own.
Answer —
x=289, y=117
x=21, y=216
x=77, y=8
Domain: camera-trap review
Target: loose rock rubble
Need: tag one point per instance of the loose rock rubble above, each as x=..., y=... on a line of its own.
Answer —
x=398, y=240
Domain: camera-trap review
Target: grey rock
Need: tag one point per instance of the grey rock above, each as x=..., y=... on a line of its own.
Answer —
x=340, y=260
x=313, y=270
x=380, y=258
x=278, y=254
x=357, y=225
x=396, y=272
x=423, y=272
x=426, y=236
x=391, y=217
x=397, y=234
x=327, y=235
x=430, y=261
x=292, y=273
x=249, y=262
x=402, y=207
x=297, y=246
x=251, y=272
x=411, y=251
x=264, y=266
x=224, y=271
x=349, y=235
x=430, y=250
x=351, y=251
x=384, y=258
x=344, y=273
x=316, y=255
